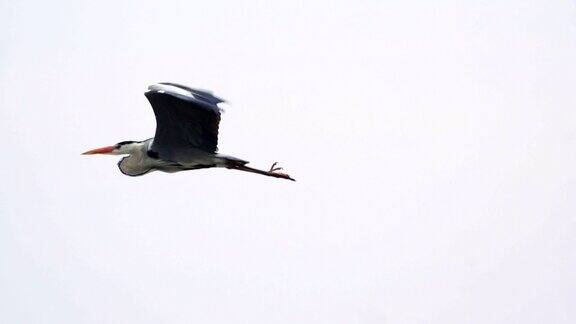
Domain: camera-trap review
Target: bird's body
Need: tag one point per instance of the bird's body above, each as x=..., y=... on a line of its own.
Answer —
x=187, y=122
x=142, y=159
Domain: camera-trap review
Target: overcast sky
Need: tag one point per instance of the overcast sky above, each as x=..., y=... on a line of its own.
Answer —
x=433, y=143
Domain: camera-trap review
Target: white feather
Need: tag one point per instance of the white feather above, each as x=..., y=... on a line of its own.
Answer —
x=165, y=88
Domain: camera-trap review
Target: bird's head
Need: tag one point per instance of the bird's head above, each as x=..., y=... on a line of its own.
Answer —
x=126, y=147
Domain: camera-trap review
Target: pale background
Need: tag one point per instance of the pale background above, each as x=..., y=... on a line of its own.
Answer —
x=433, y=143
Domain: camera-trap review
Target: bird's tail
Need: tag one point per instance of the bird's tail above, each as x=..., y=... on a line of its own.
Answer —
x=230, y=162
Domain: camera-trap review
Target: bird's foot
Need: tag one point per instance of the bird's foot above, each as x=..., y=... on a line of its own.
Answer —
x=274, y=172
x=274, y=167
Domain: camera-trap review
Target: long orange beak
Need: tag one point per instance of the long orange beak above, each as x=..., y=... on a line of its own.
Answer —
x=102, y=150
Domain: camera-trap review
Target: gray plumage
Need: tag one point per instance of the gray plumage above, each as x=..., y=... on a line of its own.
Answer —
x=186, y=138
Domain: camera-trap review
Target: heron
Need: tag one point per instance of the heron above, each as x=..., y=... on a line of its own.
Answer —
x=186, y=138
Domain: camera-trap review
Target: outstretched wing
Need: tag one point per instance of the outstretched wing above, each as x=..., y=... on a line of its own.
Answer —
x=186, y=119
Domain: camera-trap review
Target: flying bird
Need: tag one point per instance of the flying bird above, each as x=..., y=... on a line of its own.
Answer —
x=186, y=137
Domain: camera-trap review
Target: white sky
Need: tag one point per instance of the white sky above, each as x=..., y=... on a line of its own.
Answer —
x=433, y=143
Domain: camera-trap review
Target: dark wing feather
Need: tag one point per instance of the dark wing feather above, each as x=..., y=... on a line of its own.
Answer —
x=185, y=121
